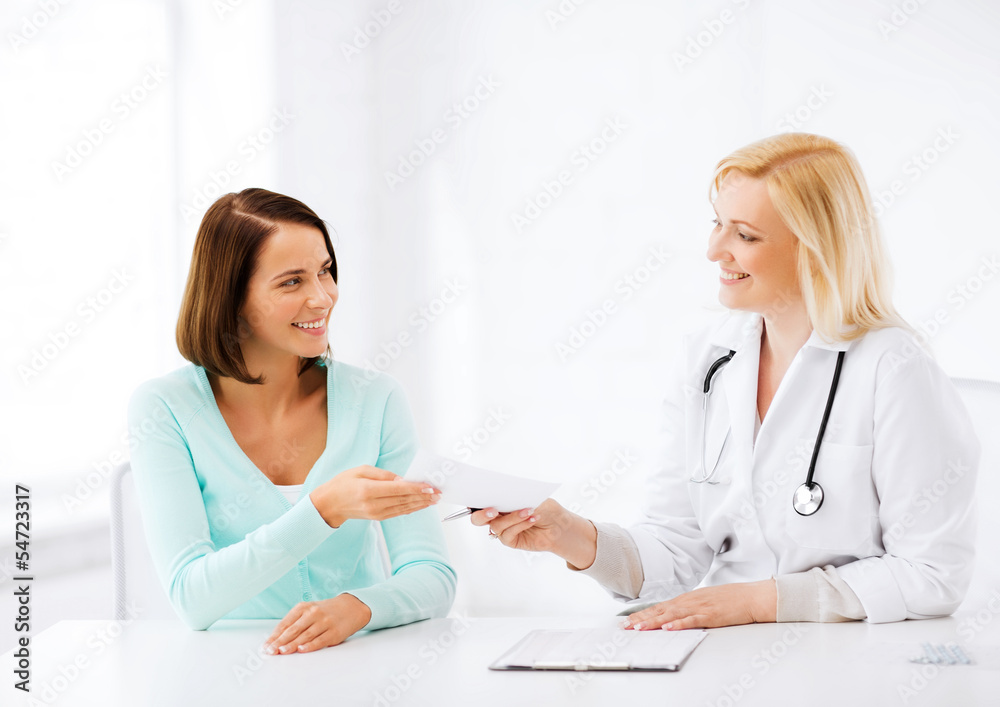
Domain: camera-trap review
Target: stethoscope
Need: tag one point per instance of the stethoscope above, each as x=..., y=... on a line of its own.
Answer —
x=808, y=497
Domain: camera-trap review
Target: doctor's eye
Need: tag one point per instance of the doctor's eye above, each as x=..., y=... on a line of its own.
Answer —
x=745, y=238
x=715, y=222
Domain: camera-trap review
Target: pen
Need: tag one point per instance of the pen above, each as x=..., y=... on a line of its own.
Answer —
x=460, y=514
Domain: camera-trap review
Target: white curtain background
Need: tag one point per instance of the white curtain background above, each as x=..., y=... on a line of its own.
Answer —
x=518, y=192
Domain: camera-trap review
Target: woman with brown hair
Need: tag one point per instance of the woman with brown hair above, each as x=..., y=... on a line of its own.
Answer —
x=261, y=492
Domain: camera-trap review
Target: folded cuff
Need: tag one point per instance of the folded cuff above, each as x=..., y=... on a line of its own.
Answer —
x=617, y=565
x=876, y=587
x=818, y=595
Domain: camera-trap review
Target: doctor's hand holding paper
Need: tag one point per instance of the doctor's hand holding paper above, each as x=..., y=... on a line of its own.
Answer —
x=802, y=431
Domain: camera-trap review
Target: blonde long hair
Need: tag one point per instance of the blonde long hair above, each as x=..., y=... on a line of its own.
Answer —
x=818, y=190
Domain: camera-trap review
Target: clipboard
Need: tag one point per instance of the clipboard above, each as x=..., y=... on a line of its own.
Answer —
x=601, y=649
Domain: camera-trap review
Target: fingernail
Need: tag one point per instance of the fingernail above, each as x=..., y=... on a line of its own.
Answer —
x=532, y=519
x=427, y=490
x=301, y=649
x=623, y=623
x=283, y=649
x=667, y=627
x=491, y=514
x=436, y=497
x=639, y=627
x=268, y=648
x=526, y=512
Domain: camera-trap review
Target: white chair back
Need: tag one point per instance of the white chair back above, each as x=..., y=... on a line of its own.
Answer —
x=982, y=399
x=137, y=589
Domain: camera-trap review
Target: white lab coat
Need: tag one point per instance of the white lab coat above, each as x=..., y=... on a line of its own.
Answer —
x=897, y=464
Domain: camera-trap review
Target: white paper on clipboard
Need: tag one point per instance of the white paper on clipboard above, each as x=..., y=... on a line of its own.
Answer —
x=601, y=649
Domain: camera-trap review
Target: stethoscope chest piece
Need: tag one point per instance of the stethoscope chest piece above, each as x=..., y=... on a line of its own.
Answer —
x=807, y=499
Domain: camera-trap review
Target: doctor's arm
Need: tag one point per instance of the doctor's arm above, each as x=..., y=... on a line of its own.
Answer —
x=924, y=469
x=665, y=556
x=661, y=557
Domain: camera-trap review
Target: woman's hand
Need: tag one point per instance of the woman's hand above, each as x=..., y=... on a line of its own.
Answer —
x=548, y=528
x=370, y=493
x=312, y=625
x=710, y=607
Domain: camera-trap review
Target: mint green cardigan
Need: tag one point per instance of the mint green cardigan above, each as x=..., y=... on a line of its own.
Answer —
x=227, y=544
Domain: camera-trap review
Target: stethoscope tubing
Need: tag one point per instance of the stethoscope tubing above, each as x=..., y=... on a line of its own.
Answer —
x=814, y=488
x=715, y=367
x=826, y=418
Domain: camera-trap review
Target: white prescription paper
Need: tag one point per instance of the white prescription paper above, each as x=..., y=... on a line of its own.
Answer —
x=466, y=485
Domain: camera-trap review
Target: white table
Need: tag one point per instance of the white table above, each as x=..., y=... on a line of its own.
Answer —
x=443, y=662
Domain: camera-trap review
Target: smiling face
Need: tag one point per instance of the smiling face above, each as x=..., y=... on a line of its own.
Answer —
x=754, y=249
x=290, y=295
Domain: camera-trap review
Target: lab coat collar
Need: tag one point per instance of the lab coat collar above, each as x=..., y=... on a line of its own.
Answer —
x=741, y=332
x=741, y=328
x=816, y=341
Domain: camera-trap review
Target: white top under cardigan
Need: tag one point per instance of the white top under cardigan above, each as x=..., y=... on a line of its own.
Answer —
x=290, y=491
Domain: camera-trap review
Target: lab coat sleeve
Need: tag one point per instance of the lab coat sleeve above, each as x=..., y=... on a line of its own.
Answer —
x=924, y=466
x=674, y=554
x=819, y=595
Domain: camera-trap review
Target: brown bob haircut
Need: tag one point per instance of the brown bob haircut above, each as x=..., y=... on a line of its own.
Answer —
x=226, y=251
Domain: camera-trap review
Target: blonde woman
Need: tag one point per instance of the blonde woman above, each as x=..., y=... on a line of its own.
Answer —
x=807, y=434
